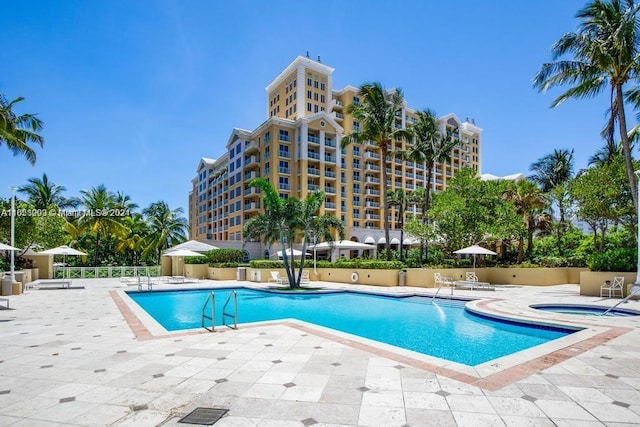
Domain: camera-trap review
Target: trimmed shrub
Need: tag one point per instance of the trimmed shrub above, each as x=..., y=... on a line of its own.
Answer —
x=221, y=256
x=619, y=259
x=196, y=260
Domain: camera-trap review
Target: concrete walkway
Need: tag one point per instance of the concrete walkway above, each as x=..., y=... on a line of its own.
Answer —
x=78, y=357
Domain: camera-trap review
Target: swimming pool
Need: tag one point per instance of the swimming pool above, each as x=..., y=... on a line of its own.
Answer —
x=586, y=310
x=442, y=330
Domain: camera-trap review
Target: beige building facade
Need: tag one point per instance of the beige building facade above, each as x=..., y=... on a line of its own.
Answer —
x=298, y=150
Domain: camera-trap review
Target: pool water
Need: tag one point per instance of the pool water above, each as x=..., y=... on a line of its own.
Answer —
x=442, y=330
x=586, y=310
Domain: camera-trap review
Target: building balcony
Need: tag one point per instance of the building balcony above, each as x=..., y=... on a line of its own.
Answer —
x=371, y=155
x=338, y=116
x=250, y=147
x=313, y=155
x=372, y=216
x=250, y=176
x=253, y=206
x=313, y=171
x=372, y=192
x=372, y=204
x=252, y=161
x=372, y=167
x=313, y=187
x=314, y=139
x=329, y=142
x=329, y=190
x=330, y=174
x=286, y=187
x=372, y=180
x=330, y=159
x=251, y=192
x=329, y=205
x=284, y=154
x=285, y=171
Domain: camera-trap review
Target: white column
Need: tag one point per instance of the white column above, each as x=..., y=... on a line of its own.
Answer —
x=13, y=234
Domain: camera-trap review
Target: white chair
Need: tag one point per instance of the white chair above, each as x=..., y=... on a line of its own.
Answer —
x=275, y=278
x=612, y=288
x=305, y=277
x=440, y=280
x=470, y=276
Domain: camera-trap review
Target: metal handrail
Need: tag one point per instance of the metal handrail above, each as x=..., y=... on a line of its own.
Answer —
x=233, y=294
x=634, y=291
x=211, y=298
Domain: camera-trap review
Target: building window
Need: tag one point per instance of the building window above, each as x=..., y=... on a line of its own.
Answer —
x=309, y=94
x=356, y=100
x=284, y=135
x=356, y=126
x=308, y=106
x=315, y=84
x=309, y=82
x=322, y=98
x=315, y=108
x=267, y=136
x=321, y=86
x=315, y=96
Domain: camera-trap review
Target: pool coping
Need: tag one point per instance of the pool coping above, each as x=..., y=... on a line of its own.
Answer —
x=491, y=376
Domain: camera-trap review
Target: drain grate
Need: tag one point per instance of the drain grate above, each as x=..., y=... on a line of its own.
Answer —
x=204, y=416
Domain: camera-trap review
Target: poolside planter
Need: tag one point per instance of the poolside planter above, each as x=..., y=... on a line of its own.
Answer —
x=359, y=276
x=217, y=273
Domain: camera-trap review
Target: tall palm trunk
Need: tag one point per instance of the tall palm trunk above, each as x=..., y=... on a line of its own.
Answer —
x=95, y=255
x=626, y=149
x=385, y=208
x=427, y=202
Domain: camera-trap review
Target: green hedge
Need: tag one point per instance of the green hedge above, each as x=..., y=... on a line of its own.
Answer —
x=196, y=260
x=371, y=264
x=222, y=256
x=228, y=264
x=619, y=259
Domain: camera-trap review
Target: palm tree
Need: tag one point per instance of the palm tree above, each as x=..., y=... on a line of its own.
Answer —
x=429, y=146
x=166, y=228
x=552, y=169
x=286, y=220
x=605, y=154
x=18, y=131
x=96, y=220
x=376, y=114
x=529, y=201
x=603, y=52
x=399, y=199
x=43, y=194
x=132, y=244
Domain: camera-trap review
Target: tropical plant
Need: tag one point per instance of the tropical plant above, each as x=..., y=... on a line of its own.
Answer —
x=552, y=169
x=43, y=194
x=377, y=114
x=96, y=220
x=288, y=220
x=429, y=146
x=132, y=244
x=17, y=131
x=602, y=52
x=529, y=202
x=166, y=228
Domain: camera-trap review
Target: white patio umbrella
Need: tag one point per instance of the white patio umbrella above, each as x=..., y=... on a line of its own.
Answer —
x=4, y=247
x=63, y=250
x=295, y=252
x=474, y=250
x=193, y=245
x=181, y=253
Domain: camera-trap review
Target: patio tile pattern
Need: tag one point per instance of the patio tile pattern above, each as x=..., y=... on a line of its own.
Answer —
x=81, y=357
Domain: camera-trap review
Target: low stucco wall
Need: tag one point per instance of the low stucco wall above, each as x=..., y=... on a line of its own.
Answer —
x=534, y=276
x=590, y=281
x=198, y=271
x=44, y=263
x=262, y=275
x=216, y=273
x=165, y=266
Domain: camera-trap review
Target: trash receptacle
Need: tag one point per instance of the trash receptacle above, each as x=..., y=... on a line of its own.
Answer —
x=241, y=273
x=6, y=286
x=401, y=275
x=16, y=288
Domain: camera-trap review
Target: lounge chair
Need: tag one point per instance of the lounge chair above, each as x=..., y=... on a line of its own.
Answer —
x=6, y=300
x=440, y=280
x=471, y=280
x=275, y=278
x=62, y=283
x=611, y=288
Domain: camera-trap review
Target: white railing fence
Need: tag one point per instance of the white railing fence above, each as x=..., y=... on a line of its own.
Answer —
x=105, y=272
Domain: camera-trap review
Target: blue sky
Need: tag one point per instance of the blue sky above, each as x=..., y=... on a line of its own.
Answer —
x=133, y=94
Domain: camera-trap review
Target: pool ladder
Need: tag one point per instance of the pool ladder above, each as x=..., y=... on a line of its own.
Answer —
x=634, y=291
x=211, y=299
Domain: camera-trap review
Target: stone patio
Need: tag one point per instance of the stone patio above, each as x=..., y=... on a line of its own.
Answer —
x=83, y=357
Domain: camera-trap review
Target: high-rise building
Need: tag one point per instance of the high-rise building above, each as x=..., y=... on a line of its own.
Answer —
x=298, y=150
